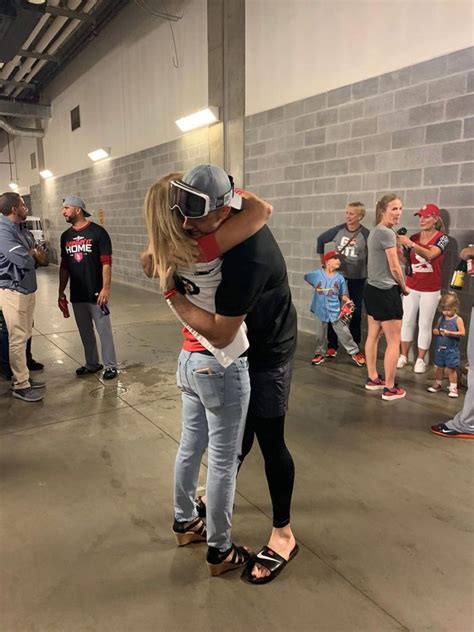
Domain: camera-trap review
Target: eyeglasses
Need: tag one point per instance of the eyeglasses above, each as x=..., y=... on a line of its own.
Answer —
x=192, y=203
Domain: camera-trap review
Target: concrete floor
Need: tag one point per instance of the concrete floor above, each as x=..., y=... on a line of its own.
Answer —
x=383, y=509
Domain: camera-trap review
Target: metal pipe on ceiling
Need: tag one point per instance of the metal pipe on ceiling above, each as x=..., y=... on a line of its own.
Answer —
x=15, y=130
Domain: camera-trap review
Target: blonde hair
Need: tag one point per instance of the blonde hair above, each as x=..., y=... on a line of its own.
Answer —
x=359, y=207
x=449, y=301
x=382, y=206
x=169, y=243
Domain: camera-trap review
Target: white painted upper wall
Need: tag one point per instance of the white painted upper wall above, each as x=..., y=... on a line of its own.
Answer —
x=128, y=90
x=299, y=48
x=130, y=93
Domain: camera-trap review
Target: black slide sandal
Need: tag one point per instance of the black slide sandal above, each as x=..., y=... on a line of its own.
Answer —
x=269, y=559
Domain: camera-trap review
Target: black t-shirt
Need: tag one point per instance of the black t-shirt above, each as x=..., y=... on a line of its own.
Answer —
x=83, y=252
x=255, y=282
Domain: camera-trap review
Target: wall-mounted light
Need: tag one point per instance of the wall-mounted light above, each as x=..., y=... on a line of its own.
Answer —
x=204, y=117
x=13, y=186
x=46, y=173
x=99, y=154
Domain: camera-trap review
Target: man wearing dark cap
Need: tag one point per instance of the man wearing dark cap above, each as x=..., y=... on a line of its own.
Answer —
x=17, y=292
x=254, y=288
x=86, y=260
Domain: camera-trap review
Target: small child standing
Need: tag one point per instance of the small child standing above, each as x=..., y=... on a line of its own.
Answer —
x=448, y=331
x=329, y=288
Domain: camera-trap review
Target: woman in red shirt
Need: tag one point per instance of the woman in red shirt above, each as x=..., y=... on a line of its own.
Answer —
x=425, y=257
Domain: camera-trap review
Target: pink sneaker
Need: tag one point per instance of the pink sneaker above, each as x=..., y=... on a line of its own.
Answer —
x=390, y=394
x=375, y=385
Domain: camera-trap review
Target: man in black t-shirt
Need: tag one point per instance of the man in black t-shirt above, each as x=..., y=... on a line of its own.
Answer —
x=86, y=260
x=254, y=288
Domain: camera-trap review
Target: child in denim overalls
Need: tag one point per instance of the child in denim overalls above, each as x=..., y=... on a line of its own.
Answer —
x=448, y=332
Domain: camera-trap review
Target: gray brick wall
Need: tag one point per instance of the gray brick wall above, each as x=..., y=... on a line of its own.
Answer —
x=408, y=131
x=118, y=186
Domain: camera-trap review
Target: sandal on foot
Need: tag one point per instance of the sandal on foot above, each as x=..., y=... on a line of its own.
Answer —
x=188, y=532
x=269, y=559
x=240, y=557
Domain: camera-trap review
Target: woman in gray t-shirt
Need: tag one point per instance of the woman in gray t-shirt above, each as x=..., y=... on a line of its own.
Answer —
x=382, y=299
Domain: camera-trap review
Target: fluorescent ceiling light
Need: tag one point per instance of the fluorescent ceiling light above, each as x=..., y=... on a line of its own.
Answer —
x=99, y=154
x=207, y=116
x=46, y=173
x=13, y=186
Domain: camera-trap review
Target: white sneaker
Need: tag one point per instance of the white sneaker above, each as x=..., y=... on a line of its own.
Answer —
x=420, y=366
x=402, y=360
x=453, y=391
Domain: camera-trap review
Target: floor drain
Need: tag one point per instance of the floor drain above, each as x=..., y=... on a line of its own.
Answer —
x=108, y=391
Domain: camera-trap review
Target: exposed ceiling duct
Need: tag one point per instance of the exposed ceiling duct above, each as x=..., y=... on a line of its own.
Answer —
x=15, y=130
x=18, y=18
x=38, y=53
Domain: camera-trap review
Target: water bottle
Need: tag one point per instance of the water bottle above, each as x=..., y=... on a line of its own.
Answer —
x=457, y=282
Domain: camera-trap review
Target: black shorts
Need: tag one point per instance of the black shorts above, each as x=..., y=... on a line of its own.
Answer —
x=383, y=304
x=270, y=391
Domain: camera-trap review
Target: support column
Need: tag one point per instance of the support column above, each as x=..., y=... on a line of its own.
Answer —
x=226, y=77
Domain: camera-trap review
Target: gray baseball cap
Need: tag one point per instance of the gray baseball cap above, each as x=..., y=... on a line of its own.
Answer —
x=75, y=200
x=213, y=181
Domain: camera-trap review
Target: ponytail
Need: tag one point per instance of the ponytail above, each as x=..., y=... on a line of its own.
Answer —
x=382, y=204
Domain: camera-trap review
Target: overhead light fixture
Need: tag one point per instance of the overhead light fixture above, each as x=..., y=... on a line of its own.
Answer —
x=204, y=117
x=37, y=1
x=13, y=186
x=99, y=154
x=46, y=173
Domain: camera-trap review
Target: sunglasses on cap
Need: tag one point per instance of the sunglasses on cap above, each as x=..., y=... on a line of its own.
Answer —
x=192, y=203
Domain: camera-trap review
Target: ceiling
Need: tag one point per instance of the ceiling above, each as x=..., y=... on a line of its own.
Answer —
x=37, y=41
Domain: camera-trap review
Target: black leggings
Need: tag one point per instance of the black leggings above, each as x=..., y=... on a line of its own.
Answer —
x=279, y=466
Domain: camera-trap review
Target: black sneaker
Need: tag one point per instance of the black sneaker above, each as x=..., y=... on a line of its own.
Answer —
x=83, y=370
x=110, y=373
x=34, y=366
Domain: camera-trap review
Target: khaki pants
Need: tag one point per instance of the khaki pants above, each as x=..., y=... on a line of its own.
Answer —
x=18, y=310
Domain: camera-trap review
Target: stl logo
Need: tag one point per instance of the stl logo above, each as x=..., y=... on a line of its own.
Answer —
x=78, y=256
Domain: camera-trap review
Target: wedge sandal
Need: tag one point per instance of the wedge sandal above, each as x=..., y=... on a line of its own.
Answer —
x=216, y=560
x=189, y=532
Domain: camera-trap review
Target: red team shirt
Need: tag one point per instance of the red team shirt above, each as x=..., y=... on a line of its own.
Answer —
x=426, y=275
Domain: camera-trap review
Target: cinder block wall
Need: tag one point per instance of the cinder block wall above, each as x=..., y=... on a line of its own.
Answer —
x=407, y=131
x=118, y=187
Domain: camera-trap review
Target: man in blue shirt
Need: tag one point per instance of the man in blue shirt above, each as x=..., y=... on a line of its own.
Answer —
x=17, y=292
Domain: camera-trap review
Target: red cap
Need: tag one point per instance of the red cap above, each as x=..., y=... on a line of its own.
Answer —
x=331, y=255
x=429, y=209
